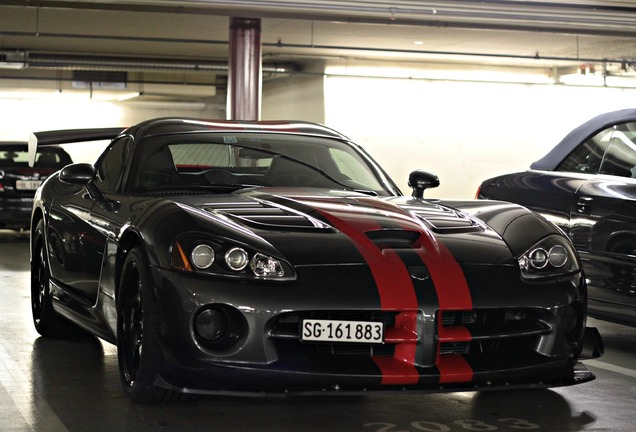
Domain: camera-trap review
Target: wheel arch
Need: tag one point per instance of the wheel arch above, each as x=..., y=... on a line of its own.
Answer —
x=36, y=217
x=129, y=240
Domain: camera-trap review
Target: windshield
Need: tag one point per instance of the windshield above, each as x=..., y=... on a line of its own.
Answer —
x=232, y=161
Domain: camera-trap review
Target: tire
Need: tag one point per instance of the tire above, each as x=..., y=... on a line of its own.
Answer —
x=46, y=321
x=138, y=350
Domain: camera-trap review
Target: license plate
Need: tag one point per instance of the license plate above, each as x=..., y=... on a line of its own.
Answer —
x=342, y=331
x=27, y=184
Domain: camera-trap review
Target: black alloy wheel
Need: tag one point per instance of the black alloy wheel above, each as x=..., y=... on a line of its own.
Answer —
x=138, y=350
x=46, y=321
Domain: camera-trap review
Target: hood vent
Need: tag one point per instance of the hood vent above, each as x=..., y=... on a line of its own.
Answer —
x=451, y=223
x=443, y=219
x=393, y=238
x=263, y=215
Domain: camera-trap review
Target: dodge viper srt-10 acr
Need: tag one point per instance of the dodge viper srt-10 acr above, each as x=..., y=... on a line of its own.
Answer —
x=18, y=181
x=587, y=186
x=278, y=257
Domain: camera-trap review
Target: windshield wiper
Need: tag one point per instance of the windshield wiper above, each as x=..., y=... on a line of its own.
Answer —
x=364, y=191
x=314, y=168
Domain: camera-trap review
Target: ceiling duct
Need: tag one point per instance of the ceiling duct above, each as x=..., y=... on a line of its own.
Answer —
x=110, y=63
x=103, y=80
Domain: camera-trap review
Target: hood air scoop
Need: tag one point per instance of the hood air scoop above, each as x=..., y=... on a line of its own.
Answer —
x=393, y=238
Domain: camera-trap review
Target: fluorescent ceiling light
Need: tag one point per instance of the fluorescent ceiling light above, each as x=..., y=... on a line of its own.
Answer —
x=476, y=75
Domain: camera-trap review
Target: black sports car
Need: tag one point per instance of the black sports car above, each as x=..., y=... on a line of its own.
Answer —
x=279, y=257
x=18, y=180
x=587, y=186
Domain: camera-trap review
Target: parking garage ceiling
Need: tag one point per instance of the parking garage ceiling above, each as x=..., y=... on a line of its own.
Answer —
x=179, y=45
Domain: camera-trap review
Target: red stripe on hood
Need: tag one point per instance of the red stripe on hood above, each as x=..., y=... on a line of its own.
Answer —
x=396, y=289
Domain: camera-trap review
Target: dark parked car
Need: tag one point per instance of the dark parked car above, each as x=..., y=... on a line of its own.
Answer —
x=279, y=257
x=587, y=186
x=18, y=180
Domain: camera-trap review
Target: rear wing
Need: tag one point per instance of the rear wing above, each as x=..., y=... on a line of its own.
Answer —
x=55, y=137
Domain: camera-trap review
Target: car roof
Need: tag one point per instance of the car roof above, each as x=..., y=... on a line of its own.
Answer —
x=579, y=134
x=163, y=126
x=169, y=125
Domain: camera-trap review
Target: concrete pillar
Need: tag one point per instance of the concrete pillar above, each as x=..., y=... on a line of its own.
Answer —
x=245, y=70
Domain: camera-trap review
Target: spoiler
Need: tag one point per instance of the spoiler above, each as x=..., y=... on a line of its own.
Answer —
x=49, y=138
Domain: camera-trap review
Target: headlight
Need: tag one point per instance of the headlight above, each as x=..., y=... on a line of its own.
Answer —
x=266, y=267
x=202, y=256
x=236, y=258
x=552, y=257
x=222, y=258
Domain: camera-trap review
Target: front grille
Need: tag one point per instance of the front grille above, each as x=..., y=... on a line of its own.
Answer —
x=489, y=339
x=450, y=318
x=494, y=336
x=454, y=348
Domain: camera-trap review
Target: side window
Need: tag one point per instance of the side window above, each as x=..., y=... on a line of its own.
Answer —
x=620, y=156
x=587, y=157
x=111, y=164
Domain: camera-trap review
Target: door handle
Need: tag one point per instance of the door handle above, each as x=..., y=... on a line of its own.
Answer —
x=584, y=204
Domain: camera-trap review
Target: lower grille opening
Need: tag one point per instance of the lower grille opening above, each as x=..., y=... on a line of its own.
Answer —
x=355, y=349
x=493, y=338
x=454, y=348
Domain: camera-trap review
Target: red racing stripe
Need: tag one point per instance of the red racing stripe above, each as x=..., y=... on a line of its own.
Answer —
x=394, y=287
x=451, y=288
x=396, y=290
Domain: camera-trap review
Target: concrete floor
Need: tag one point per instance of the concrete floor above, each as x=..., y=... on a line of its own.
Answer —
x=48, y=385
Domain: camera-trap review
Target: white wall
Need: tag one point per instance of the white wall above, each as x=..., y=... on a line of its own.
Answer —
x=21, y=117
x=465, y=132
x=296, y=98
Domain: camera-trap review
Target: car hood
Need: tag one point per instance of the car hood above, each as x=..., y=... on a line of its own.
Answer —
x=316, y=226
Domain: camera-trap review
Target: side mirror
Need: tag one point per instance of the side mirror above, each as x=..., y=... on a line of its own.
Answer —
x=79, y=174
x=82, y=174
x=420, y=180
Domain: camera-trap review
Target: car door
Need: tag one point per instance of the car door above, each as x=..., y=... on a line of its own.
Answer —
x=72, y=258
x=81, y=221
x=604, y=221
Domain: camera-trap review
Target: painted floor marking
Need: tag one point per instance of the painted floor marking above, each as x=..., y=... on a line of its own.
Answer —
x=610, y=367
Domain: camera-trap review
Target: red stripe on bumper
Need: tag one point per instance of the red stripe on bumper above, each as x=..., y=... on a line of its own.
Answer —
x=453, y=368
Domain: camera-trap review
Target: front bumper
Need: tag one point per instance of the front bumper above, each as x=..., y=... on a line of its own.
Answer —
x=534, y=344
x=15, y=212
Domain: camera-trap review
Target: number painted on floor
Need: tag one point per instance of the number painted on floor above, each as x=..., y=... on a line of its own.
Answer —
x=457, y=425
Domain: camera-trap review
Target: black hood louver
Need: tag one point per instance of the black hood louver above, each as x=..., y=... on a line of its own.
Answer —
x=444, y=220
x=264, y=215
